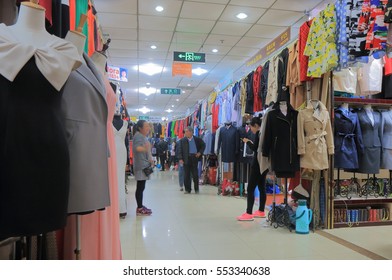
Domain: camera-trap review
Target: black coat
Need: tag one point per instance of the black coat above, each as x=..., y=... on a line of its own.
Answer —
x=264, y=83
x=280, y=142
x=183, y=151
x=249, y=94
x=348, y=140
x=229, y=141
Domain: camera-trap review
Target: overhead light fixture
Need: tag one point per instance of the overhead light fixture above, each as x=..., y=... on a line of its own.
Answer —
x=177, y=99
x=146, y=99
x=149, y=69
x=144, y=110
x=172, y=106
x=215, y=50
x=153, y=47
x=189, y=85
x=242, y=16
x=183, y=91
x=147, y=90
x=159, y=8
x=199, y=71
x=169, y=110
x=148, y=84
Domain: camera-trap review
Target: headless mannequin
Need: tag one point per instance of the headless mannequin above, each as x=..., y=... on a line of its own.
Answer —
x=369, y=111
x=99, y=61
x=344, y=106
x=283, y=107
x=117, y=122
x=78, y=39
x=30, y=27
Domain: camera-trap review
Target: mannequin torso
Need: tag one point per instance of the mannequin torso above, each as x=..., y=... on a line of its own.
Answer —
x=78, y=39
x=99, y=61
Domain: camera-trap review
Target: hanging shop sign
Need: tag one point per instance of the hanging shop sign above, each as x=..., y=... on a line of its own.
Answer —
x=117, y=73
x=133, y=119
x=182, y=69
x=190, y=57
x=173, y=91
x=144, y=118
x=263, y=54
x=155, y=119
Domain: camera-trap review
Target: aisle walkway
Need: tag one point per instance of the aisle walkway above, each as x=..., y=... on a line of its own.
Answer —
x=204, y=227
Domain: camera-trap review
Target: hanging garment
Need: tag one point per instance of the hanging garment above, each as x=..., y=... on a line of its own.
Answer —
x=121, y=157
x=8, y=12
x=370, y=77
x=356, y=28
x=283, y=92
x=249, y=94
x=341, y=36
x=280, y=141
x=272, y=93
x=236, y=116
x=243, y=87
x=84, y=111
x=376, y=38
x=370, y=160
x=321, y=46
x=34, y=156
x=347, y=138
x=257, y=104
x=386, y=126
x=303, y=59
x=264, y=161
x=346, y=80
x=315, y=137
x=264, y=84
x=228, y=140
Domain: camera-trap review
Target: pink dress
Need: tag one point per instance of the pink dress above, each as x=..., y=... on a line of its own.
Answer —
x=100, y=231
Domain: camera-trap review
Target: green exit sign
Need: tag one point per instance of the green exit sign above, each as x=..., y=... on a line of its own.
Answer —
x=144, y=118
x=170, y=91
x=190, y=57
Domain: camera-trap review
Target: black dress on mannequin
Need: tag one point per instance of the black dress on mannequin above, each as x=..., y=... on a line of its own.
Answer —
x=117, y=122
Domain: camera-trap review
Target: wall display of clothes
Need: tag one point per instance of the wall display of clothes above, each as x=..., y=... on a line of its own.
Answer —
x=80, y=150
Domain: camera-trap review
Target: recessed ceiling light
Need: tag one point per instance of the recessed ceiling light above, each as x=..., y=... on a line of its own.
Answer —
x=242, y=16
x=172, y=106
x=153, y=47
x=159, y=8
x=147, y=90
x=183, y=91
x=144, y=110
x=199, y=71
x=169, y=110
x=189, y=85
x=214, y=50
x=177, y=99
x=150, y=69
x=147, y=84
x=146, y=99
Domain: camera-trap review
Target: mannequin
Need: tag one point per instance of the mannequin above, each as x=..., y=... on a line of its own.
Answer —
x=369, y=111
x=344, y=106
x=30, y=63
x=100, y=61
x=77, y=37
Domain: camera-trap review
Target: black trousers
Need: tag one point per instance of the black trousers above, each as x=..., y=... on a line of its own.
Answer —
x=191, y=169
x=256, y=179
x=162, y=159
x=140, y=186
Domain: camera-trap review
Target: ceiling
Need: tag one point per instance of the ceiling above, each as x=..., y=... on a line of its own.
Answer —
x=189, y=25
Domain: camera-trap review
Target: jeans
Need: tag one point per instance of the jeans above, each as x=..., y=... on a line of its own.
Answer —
x=181, y=175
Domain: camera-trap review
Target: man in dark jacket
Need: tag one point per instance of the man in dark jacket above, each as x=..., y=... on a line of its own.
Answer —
x=190, y=153
x=162, y=152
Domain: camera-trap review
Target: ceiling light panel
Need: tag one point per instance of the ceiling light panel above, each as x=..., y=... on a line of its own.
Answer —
x=231, y=28
x=118, y=20
x=253, y=14
x=157, y=23
x=171, y=7
x=120, y=7
x=199, y=10
x=286, y=18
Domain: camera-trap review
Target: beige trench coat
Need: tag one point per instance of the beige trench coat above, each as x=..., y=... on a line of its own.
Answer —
x=315, y=137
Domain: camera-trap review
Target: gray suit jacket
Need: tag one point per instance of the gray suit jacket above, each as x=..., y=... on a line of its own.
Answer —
x=387, y=129
x=85, y=115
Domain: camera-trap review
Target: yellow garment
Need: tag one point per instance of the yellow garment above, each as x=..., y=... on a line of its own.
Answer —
x=321, y=46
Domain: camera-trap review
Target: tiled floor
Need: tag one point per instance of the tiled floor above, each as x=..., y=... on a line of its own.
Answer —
x=203, y=226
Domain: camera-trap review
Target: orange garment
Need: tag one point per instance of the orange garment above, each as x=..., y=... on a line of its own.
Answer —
x=72, y=14
x=91, y=31
x=100, y=230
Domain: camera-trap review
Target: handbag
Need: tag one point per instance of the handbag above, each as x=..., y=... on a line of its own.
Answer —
x=148, y=171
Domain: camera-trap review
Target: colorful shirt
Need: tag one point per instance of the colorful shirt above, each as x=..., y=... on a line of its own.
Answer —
x=341, y=38
x=321, y=46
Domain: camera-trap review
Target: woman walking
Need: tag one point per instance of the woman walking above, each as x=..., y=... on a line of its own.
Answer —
x=142, y=159
x=255, y=179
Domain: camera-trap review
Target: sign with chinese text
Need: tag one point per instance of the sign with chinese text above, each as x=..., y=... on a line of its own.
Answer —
x=190, y=57
x=182, y=69
x=174, y=91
